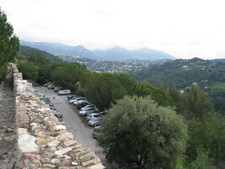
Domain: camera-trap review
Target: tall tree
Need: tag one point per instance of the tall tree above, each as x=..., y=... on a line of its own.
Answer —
x=197, y=104
x=137, y=130
x=9, y=43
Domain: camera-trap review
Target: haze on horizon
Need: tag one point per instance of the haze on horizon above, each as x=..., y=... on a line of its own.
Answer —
x=182, y=28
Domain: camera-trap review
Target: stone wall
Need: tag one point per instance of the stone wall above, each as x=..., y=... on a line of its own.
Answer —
x=43, y=141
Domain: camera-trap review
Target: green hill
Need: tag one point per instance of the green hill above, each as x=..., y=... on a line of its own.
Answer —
x=28, y=51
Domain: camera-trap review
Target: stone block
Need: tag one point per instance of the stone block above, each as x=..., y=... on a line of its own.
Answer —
x=41, y=141
x=63, y=151
x=26, y=142
x=65, y=137
x=70, y=143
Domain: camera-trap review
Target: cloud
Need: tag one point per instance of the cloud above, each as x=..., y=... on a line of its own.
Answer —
x=183, y=28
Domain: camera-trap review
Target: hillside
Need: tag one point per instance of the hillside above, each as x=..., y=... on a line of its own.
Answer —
x=28, y=51
x=183, y=73
x=112, y=54
x=208, y=74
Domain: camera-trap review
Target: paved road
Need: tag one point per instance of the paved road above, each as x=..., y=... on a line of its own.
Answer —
x=75, y=124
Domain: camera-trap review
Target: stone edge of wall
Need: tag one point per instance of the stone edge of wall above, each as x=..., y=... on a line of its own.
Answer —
x=43, y=141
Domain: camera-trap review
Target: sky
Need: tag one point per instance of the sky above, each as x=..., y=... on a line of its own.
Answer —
x=182, y=28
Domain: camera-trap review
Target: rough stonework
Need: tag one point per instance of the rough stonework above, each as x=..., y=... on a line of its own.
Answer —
x=43, y=141
x=8, y=136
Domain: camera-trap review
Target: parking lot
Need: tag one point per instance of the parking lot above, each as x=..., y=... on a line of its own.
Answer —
x=75, y=124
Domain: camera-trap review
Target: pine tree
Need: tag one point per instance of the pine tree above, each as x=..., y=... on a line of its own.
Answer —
x=9, y=43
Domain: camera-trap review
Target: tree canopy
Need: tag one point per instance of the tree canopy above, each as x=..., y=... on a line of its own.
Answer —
x=137, y=130
x=9, y=43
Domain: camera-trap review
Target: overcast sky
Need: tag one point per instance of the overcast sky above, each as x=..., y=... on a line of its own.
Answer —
x=182, y=28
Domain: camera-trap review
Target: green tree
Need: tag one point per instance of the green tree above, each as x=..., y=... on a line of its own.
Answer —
x=103, y=89
x=159, y=94
x=209, y=135
x=29, y=70
x=137, y=130
x=9, y=43
x=202, y=160
x=197, y=104
x=68, y=74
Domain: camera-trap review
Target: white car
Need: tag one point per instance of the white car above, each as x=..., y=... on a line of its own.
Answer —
x=87, y=107
x=93, y=115
x=76, y=99
x=87, y=112
x=79, y=102
x=62, y=92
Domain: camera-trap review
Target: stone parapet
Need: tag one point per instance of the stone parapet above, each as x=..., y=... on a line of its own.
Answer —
x=43, y=141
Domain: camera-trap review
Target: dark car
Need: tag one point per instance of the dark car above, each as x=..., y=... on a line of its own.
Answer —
x=45, y=99
x=82, y=103
x=51, y=106
x=52, y=86
x=71, y=97
x=57, y=113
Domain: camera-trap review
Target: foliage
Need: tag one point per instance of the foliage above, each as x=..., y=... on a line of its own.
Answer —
x=105, y=88
x=202, y=160
x=217, y=92
x=29, y=70
x=209, y=134
x=9, y=43
x=197, y=104
x=161, y=133
x=159, y=94
x=68, y=75
x=137, y=130
x=32, y=52
x=183, y=73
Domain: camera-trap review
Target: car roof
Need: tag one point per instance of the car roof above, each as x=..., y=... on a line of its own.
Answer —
x=94, y=114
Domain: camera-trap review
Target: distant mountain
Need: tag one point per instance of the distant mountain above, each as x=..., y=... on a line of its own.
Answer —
x=150, y=54
x=60, y=49
x=112, y=54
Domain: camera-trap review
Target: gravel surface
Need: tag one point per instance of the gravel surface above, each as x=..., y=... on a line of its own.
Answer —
x=75, y=124
x=8, y=151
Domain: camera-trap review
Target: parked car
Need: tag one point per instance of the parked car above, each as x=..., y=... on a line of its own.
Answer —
x=45, y=99
x=51, y=106
x=47, y=84
x=57, y=113
x=62, y=92
x=57, y=88
x=93, y=115
x=97, y=132
x=69, y=97
x=87, y=112
x=82, y=103
x=38, y=94
x=51, y=86
x=94, y=122
x=35, y=90
x=72, y=99
x=78, y=99
x=87, y=107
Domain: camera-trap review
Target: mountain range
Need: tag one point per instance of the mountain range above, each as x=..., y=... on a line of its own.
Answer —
x=112, y=54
